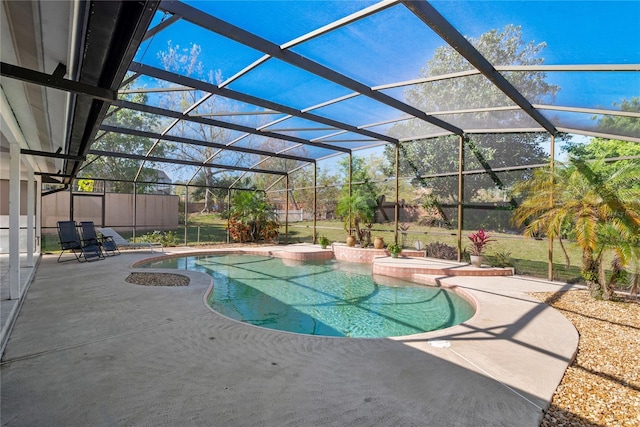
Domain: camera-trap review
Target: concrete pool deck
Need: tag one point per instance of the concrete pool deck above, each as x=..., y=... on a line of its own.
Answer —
x=89, y=348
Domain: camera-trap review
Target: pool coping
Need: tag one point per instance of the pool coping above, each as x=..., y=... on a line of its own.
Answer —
x=382, y=263
x=152, y=354
x=518, y=370
x=320, y=254
x=408, y=272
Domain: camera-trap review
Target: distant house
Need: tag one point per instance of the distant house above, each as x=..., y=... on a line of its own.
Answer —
x=164, y=183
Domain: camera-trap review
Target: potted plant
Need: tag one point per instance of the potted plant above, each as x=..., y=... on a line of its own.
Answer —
x=394, y=249
x=479, y=242
x=354, y=210
x=351, y=241
x=324, y=242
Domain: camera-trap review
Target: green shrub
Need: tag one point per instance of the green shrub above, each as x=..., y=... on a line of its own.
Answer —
x=168, y=238
x=394, y=248
x=323, y=241
x=502, y=259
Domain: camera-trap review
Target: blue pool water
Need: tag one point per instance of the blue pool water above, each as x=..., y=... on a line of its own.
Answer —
x=330, y=298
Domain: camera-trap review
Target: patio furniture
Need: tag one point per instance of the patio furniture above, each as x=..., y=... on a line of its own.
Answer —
x=124, y=243
x=70, y=241
x=109, y=247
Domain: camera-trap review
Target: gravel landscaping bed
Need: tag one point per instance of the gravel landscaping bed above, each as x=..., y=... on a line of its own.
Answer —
x=602, y=385
x=158, y=279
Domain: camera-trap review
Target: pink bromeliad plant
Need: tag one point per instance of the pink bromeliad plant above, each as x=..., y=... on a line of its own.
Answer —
x=479, y=242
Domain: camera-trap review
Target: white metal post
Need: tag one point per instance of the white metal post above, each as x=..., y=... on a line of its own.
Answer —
x=31, y=201
x=315, y=201
x=135, y=209
x=228, y=213
x=396, y=208
x=460, y=194
x=552, y=167
x=186, y=214
x=14, y=221
x=286, y=212
x=38, y=218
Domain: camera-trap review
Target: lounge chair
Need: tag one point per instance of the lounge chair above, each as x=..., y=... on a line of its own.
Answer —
x=124, y=243
x=109, y=247
x=70, y=241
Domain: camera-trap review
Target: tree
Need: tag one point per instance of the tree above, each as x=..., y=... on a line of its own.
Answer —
x=186, y=62
x=604, y=148
x=600, y=148
x=355, y=210
x=361, y=177
x=328, y=192
x=251, y=217
x=86, y=185
x=110, y=167
x=302, y=191
x=488, y=151
x=216, y=190
x=622, y=125
x=383, y=174
x=600, y=208
x=300, y=178
x=359, y=206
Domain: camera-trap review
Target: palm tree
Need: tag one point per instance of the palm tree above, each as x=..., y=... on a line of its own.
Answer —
x=600, y=209
x=251, y=210
x=354, y=210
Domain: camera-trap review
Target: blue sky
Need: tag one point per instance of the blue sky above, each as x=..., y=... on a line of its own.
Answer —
x=576, y=32
x=393, y=46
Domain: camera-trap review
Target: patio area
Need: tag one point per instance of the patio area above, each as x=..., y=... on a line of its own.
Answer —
x=88, y=348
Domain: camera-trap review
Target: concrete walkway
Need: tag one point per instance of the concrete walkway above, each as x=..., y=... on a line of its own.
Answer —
x=89, y=348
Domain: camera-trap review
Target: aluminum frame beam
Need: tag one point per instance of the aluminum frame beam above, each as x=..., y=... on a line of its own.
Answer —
x=316, y=33
x=570, y=67
x=226, y=125
x=250, y=99
x=587, y=110
x=51, y=155
x=356, y=16
x=171, y=126
x=218, y=123
x=430, y=16
x=598, y=134
x=180, y=162
x=513, y=68
x=246, y=38
x=161, y=26
x=173, y=184
x=56, y=81
x=184, y=140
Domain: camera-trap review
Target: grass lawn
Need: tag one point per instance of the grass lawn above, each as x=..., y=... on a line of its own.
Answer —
x=529, y=256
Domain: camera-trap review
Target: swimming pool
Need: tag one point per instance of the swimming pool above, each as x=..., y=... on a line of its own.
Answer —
x=329, y=298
